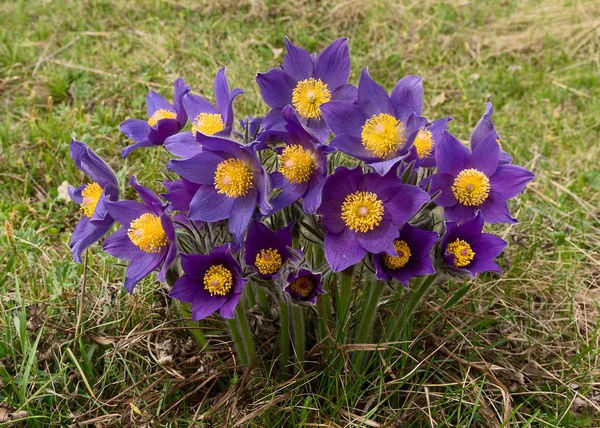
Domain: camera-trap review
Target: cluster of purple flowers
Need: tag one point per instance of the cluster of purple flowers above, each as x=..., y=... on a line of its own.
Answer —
x=363, y=193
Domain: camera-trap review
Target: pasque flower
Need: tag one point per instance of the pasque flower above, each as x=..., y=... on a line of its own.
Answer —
x=362, y=213
x=180, y=193
x=482, y=130
x=307, y=82
x=474, y=181
x=146, y=238
x=232, y=183
x=205, y=118
x=412, y=257
x=422, y=152
x=92, y=198
x=304, y=286
x=164, y=119
x=466, y=248
x=210, y=283
x=267, y=251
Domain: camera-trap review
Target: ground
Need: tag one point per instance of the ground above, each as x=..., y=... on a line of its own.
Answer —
x=518, y=350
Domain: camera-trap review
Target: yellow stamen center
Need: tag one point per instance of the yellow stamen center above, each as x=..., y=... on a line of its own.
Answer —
x=208, y=123
x=362, y=211
x=424, y=143
x=147, y=233
x=91, y=195
x=160, y=115
x=471, y=187
x=233, y=178
x=218, y=280
x=307, y=97
x=296, y=164
x=268, y=261
x=302, y=286
x=399, y=261
x=463, y=254
x=383, y=134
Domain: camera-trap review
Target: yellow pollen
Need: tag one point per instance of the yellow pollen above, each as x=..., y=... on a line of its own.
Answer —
x=399, y=261
x=499, y=143
x=471, y=187
x=383, y=134
x=307, y=97
x=424, y=143
x=147, y=233
x=463, y=254
x=296, y=164
x=362, y=211
x=218, y=280
x=208, y=123
x=91, y=195
x=268, y=261
x=303, y=286
x=160, y=115
x=233, y=178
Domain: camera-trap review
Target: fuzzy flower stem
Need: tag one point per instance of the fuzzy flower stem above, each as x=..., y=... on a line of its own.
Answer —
x=299, y=334
x=370, y=301
x=242, y=336
x=200, y=339
x=284, y=335
x=343, y=303
x=412, y=303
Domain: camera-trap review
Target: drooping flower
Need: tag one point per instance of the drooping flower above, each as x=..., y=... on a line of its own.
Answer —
x=92, y=198
x=379, y=129
x=164, y=119
x=466, y=248
x=304, y=286
x=422, y=152
x=307, y=82
x=267, y=251
x=210, y=283
x=205, y=118
x=411, y=258
x=470, y=182
x=362, y=213
x=232, y=183
x=146, y=238
x=482, y=130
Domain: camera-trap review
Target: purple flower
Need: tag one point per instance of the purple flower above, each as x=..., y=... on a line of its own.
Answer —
x=232, y=183
x=306, y=82
x=205, y=118
x=302, y=166
x=92, y=198
x=411, y=258
x=164, y=119
x=465, y=248
x=267, y=251
x=470, y=182
x=180, y=193
x=362, y=213
x=146, y=238
x=379, y=129
x=304, y=286
x=210, y=283
x=422, y=151
x=483, y=128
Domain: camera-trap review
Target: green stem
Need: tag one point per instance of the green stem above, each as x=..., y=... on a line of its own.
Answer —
x=343, y=303
x=284, y=335
x=196, y=332
x=263, y=299
x=250, y=294
x=242, y=336
x=299, y=334
x=410, y=306
x=371, y=294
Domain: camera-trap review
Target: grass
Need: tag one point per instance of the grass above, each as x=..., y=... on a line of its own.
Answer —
x=520, y=350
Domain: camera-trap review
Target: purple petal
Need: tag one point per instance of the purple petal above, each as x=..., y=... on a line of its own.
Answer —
x=169, y=259
x=380, y=239
x=459, y=212
x=351, y=145
x=209, y=205
x=222, y=92
x=136, y=129
x=195, y=265
x=84, y=235
x=291, y=193
x=442, y=183
x=226, y=311
x=124, y=212
x=313, y=196
x=450, y=154
x=119, y=245
x=494, y=209
x=241, y=214
x=185, y=289
x=372, y=98
x=199, y=168
x=333, y=64
x=348, y=93
x=343, y=117
x=148, y=196
x=276, y=87
x=195, y=104
x=484, y=157
x=91, y=164
x=407, y=97
x=204, y=304
x=483, y=127
x=127, y=150
x=510, y=180
x=180, y=89
x=405, y=203
x=342, y=249
x=183, y=144
x=156, y=102
x=141, y=266
x=297, y=62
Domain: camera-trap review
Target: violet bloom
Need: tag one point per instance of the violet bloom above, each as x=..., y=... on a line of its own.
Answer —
x=362, y=213
x=465, y=248
x=92, y=198
x=302, y=166
x=482, y=130
x=205, y=118
x=164, y=119
x=306, y=82
x=379, y=129
x=470, y=182
x=232, y=183
x=267, y=251
x=210, y=283
x=146, y=238
x=304, y=286
x=411, y=258
x=180, y=193
x=422, y=152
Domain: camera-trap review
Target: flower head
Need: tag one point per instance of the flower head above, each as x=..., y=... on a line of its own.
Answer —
x=164, y=119
x=466, y=248
x=423, y=150
x=482, y=130
x=210, y=283
x=92, y=198
x=304, y=286
x=267, y=251
x=411, y=258
x=362, y=213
